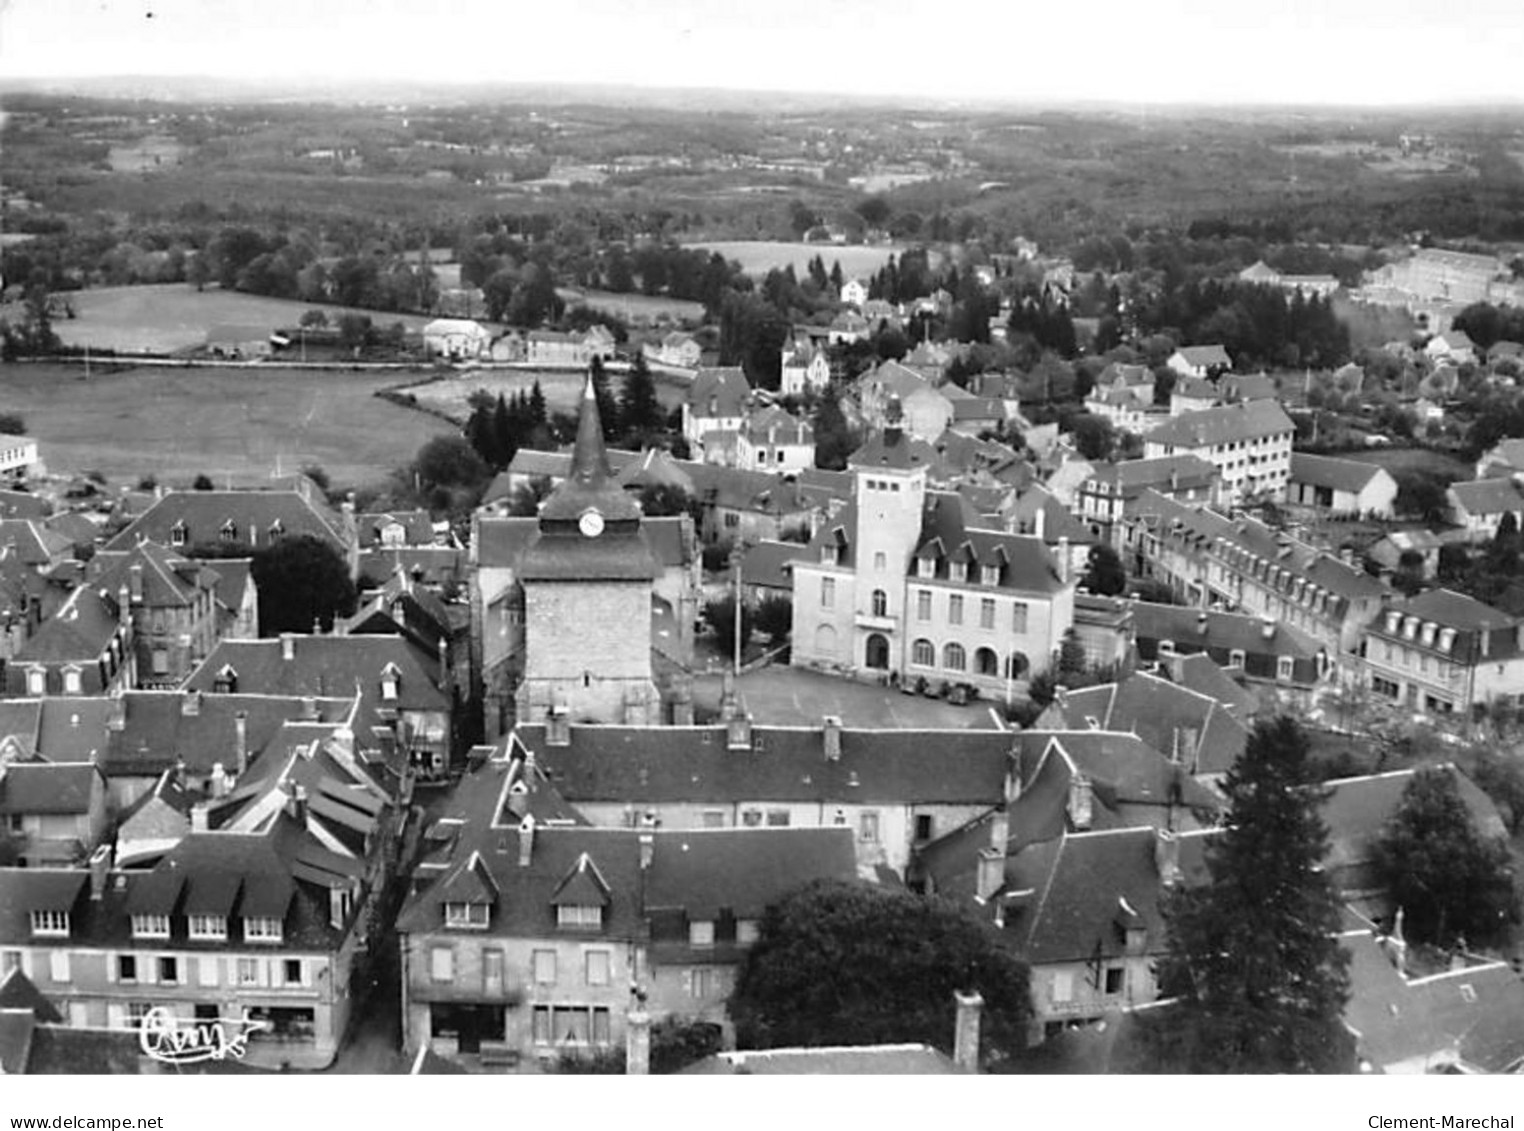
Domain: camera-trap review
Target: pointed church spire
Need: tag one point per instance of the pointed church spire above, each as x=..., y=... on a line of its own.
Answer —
x=590, y=459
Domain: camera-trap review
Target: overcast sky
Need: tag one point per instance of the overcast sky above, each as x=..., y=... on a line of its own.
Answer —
x=1367, y=52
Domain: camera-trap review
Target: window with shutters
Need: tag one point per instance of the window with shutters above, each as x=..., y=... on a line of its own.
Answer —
x=126, y=968
x=598, y=965
x=545, y=967
x=248, y=972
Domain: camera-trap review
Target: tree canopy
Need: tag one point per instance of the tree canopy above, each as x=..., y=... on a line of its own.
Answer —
x=1254, y=961
x=851, y=964
x=1450, y=880
x=301, y=581
x=1104, y=573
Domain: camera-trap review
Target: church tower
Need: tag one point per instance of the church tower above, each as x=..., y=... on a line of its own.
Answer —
x=889, y=493
x=587, y=580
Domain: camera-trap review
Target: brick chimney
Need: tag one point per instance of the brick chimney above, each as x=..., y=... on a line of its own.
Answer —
x=738, y=732
x=833, y=738
x=288, y=646
x=241, y=741
x=966, y=1030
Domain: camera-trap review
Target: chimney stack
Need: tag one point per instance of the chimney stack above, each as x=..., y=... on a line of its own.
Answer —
x=1040, y=522
x=738, y=732
x=190, y=703
x=100, y=869
x=558, y=727
x=1081, y=803
x=833, y=738
x=219, y=781
x=991, y=874
x=135, y=582
x=966, y=1031
x=198, y=816
x=1063, y=559
x=526, y=840
x=241, y=741
x=647, y=848
x=309, y=709
x=637, y=1040
x=1167, y=857
x=288, y=646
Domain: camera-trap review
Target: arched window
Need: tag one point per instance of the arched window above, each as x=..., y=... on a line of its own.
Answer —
x=880, y=603
x=922, y=654
x=1017, y=666
x=986, y=662
x=954, y=658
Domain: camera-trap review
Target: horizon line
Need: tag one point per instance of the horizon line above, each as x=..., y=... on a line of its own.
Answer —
x=323, y=88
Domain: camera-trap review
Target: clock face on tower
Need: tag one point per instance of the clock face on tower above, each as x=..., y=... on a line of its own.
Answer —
x=591, y=524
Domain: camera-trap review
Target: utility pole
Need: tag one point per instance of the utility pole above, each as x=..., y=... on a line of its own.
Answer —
x=735, y=560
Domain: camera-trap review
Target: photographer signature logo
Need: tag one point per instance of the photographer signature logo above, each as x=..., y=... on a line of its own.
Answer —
x=173, y=1040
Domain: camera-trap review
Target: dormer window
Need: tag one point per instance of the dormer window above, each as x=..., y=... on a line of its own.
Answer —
x=72, y=683
x=467, y=916
x=1427, y=637
x=989, y=575
x=228, y=532
x=226, y=681
x=1283, y=668
x=391, y=678
x=277, y=529
x=150, y=926
x=179, y=534
x=957, y=571
x=747, y=931
x=262, y=929
x=208, y=928
x=926, y=567
x=50, y=924
x=36, y=681
x=579, y=917
x=1446, y=639
x=1410, y=628
x=701, y=933
x=828, y=555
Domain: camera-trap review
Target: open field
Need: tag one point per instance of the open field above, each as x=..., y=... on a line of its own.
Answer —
x=178, y=423
x=1397, y=460
x=635, y=308
x=165, y=317
x=562, y=388
x=758, y=257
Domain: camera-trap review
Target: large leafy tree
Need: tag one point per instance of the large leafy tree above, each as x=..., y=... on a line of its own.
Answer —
x=1105, y=574
x=1260, y=978
x=301, y=581
x=1449, y=879
x=851, y=964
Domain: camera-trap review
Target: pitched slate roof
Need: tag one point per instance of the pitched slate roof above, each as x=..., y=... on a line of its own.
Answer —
x=417, y=527
x=727, y=387
x=1122, y=768
x=1357, y=809
x=1186, y=626
x=23, y=504
x=1073, y=899
x=1166, y=716
x=21, y=720
x=327, y=666
x=673, y=764
x=1327, y=471
x=1246, y=420
x=203, y=514
x=157, y=732
x=80, y=631
x=53, y=788
x=1488, y=496
x=744, y=870
x=34, y=542
x=949, y=531
x=1450, y=609
x=766, y=564
x=1468, y=1016
x=18, y=992
x=1201, y=674
x=167, y=579
x=893, y=448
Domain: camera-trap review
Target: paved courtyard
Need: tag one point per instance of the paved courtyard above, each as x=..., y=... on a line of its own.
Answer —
x=782, y=696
